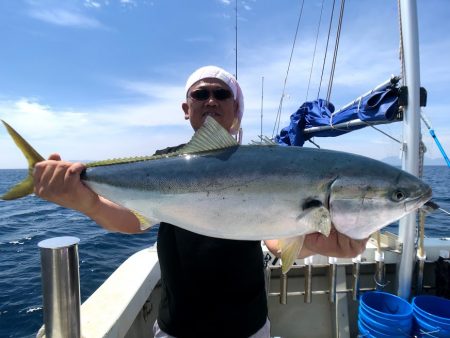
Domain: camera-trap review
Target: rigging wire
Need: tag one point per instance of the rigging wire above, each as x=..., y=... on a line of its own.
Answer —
x=384, y=133
x=422, y=146
x=314, y=53
x=333, y=67
x=326, y=48
x=278, y=117
x=336, y=47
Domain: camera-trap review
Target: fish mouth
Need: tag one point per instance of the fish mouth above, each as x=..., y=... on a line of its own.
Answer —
x=414, y=203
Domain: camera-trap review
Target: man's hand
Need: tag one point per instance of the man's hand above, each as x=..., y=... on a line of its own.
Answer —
x=59, y=182
x=335, y=245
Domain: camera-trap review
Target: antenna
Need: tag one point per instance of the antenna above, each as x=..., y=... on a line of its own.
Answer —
x=236, y=40
x=262, y=107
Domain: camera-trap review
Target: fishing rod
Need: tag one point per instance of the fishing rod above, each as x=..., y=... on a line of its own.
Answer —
x=433, y=135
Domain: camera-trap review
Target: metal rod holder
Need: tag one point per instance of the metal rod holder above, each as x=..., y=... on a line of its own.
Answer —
x=356, y=271
x=283, y=288
x=267, y=275
x=308, y=279
x=421, y=266
x=61, y=287
x=332, y=278
x=380, y=273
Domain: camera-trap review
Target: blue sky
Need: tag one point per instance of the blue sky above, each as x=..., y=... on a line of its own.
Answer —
x=95, y=79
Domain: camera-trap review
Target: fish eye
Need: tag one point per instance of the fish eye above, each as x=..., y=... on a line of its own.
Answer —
x=398, y=195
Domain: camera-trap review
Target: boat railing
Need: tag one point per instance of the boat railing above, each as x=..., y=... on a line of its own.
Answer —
x=372, y=259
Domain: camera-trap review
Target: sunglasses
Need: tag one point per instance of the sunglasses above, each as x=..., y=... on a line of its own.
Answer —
x=204, y=94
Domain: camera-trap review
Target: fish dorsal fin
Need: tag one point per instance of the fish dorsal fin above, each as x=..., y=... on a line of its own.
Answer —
x=210, y=136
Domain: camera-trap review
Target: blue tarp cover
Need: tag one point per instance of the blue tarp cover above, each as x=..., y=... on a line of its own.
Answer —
x=378, y=106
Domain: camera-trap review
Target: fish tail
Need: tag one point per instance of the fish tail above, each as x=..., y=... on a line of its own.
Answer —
x=25, y=187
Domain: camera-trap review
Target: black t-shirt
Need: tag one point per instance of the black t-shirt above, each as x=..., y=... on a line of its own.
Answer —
x=210, y=287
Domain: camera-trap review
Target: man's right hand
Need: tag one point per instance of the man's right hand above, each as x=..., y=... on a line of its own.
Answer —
x=59, y=182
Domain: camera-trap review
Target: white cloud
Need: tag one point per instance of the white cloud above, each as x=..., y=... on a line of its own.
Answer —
x=63, y=17
x=159, y=91
x=92, y=4
x=41, y=120
x=129, y=3
x=98, y=133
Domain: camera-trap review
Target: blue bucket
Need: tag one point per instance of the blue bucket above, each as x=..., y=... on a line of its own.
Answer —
x=385, y=315
x=431, y=316
x=367, y=332
x=385, y=324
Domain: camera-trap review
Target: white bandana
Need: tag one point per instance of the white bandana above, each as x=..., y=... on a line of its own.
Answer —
x=221, y=74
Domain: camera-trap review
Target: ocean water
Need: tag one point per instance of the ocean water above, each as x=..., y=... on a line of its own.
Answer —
x=25, y=222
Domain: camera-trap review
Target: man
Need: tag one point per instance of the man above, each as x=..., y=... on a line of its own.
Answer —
x=210, y=287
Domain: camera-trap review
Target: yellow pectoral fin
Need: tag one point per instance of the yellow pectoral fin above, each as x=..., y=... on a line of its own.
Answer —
x=290, y=248
x=317, y=219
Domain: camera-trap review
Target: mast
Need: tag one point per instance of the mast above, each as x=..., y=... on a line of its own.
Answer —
x=411, y=137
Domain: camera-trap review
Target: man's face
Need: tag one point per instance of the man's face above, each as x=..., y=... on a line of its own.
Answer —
x=209, y=97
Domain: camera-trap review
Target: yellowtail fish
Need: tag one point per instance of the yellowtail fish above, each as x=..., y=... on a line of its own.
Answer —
x=215, y=187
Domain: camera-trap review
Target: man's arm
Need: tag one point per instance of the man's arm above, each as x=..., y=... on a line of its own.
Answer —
x=59, y=182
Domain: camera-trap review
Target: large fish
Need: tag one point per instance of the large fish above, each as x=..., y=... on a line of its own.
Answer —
x=215, y=187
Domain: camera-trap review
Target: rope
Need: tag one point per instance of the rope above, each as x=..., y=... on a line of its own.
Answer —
x=400, y=48
x=422, y=151
x=278, y=118
x=326, y=49
x=314, y=53
x=421, y=246
x=336, y=47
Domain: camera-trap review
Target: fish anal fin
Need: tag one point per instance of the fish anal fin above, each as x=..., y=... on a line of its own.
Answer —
x=144, y=221
x=210, y=136
x=290, y=249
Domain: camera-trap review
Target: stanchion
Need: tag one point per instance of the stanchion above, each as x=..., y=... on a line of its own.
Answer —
x=61, y=287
